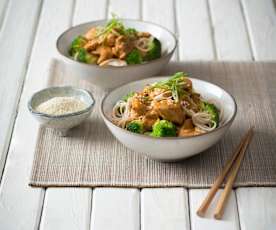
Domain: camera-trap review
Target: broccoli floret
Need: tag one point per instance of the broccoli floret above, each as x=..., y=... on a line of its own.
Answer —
x=134, y=57
x=154, y=50
x=163, y=128
x=83, y=56
x=135, y=126
x=76, y=45
x=212, y=110
x=129, y=95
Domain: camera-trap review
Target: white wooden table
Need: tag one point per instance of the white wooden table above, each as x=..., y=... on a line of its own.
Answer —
x=207, y=30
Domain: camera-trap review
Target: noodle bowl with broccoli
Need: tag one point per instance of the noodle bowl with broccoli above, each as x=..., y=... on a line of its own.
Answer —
x=167, y=108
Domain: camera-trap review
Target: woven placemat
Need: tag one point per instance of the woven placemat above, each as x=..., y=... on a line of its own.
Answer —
x=91, y=156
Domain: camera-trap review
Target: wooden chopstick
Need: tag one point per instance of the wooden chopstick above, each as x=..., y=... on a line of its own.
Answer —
x=205, y=204
x=232, y=176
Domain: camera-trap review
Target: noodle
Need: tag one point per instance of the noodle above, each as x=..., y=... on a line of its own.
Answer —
x=120, y=113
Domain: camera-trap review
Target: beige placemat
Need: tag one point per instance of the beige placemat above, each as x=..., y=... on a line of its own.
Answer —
x=91, y=156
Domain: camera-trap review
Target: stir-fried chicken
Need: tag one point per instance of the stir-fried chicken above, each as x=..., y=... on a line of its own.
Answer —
x=91, y=34
x=169, y=110
x=149, y=119
x=104, y=53
x=112, y=45
x=122, y=47
x=188, y=129
x=110, y=39
x=139, y=107
x=91, y=45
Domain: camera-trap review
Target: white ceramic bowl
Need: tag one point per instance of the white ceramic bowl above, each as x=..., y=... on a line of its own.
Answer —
x=62, y=123
x=110, y=77
x=170, y=148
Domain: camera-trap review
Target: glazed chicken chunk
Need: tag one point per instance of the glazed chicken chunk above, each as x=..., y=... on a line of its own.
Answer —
x=169, y=110
x=149, y=119
x=138, y=107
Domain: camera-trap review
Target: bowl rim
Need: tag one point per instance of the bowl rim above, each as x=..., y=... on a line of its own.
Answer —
x=116, y=67
x=45, y=115
x=106, y=119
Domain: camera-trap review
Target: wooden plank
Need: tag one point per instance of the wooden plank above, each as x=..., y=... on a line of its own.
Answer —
x=257, y=208
x=230, y=218
x=162, y=13
x=195, y=42
x=87, y=10
x=112, y=208
x=125, y=8
x=16, y=41
x=115, y=209
x=70, y=208
x=230, y=34
x=3, y=10
x=20, y=205
x=261, y=22
x=58, y=213
x=194, y=30
x=66, y=208
x=202, y=47
x=164, y=208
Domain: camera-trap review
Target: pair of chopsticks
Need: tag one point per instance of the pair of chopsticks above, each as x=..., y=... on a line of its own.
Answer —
x=231, y=169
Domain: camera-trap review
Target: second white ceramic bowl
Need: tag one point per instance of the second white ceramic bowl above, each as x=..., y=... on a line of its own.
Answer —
x=110, y=77
x=170, y=148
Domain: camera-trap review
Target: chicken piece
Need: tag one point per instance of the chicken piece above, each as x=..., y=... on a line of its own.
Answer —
x=190, y=132
x=104, y=53
x=149, y=119
x=122, y=47
x=188, y=129
x=91, y=34
x=198, y=131
x=169, y=110
x=91, y=45
x=186, y=132
x=188, y=124
x=138, y=107
x=111, y=39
